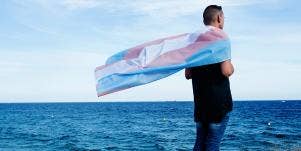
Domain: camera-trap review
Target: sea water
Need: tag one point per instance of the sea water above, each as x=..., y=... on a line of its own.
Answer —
x=253, y=125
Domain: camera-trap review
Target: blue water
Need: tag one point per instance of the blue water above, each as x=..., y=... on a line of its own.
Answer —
x=267, y=125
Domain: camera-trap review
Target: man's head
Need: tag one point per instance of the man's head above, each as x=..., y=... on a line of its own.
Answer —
x=213, y=15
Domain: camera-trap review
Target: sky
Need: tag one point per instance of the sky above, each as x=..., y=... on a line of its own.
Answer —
x=50, y=48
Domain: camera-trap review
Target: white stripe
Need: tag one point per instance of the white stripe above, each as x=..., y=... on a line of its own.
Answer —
x=150, y=53
x=122, y=66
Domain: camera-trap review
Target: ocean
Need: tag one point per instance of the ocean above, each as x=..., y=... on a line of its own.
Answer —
x=253, y=125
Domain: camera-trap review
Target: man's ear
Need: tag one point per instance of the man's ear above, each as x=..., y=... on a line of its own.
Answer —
x=219, y=18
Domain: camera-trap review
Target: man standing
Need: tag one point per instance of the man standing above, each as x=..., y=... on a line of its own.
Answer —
x=211, y=90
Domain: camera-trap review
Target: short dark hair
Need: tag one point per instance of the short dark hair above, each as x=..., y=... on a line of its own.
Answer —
x=210, y=12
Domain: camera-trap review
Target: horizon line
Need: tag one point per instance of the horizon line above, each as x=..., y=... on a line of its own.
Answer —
x=147, y=101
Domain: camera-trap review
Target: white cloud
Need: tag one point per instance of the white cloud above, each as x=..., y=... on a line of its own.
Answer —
x=51, y=76
x=177, y=8
x=288, y=39
x=80, y=4
x=159, y=8
x=261, y=79
x=40, y=28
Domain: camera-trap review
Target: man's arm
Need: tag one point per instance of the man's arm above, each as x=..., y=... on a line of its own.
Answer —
x=227, y=68
x=187, y=73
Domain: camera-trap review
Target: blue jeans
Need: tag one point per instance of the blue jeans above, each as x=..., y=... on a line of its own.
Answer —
x=209, y=135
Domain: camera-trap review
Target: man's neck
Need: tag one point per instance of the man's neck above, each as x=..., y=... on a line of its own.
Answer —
x=216, y=25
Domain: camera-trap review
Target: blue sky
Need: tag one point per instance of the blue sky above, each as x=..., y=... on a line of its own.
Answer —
x=49, y=48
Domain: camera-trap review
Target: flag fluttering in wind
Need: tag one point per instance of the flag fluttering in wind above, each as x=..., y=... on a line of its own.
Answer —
x=160, y=58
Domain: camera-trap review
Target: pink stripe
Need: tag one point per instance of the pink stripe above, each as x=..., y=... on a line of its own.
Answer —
x=104, y=66
x=180, y=55
x=218, y=32
x=100, y=67
x=135, y=51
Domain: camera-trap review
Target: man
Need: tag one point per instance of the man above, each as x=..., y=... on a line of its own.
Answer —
x=211, y=90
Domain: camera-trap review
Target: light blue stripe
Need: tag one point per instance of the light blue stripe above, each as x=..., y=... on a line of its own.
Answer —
x=117, y=57
x=119, y=82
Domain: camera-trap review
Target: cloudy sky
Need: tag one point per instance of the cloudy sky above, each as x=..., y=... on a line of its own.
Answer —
x=50, y=48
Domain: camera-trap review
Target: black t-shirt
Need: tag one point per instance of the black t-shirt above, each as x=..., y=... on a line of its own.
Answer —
x=212, y=94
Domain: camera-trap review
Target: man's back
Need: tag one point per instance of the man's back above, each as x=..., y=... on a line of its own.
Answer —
x=211, y=90
x=212, y=94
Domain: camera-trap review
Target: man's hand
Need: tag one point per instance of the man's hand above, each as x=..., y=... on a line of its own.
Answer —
x=227, y=68
x=187, y=73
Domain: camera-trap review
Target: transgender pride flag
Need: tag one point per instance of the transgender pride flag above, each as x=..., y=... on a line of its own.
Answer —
x=158, y=59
